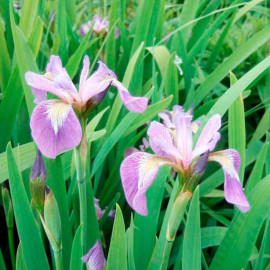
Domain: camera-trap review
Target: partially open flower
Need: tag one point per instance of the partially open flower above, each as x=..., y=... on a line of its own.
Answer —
x=99, y=25
x=54, y=123
x=173, y=147
x=95, y=259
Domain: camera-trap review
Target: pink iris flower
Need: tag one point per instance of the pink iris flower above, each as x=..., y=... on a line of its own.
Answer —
x=55, y=123
x=174, y=147
x=95, y=259
x=99, y=25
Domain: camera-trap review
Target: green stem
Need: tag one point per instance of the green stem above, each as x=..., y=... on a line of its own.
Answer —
x=58, y=259
x=80, y=168
x=178, y=210
x=11, y=247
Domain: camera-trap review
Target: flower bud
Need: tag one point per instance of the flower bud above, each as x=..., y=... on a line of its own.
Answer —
x=52, y=222
x=95, y=259
x=7, y=206
x=38, y=182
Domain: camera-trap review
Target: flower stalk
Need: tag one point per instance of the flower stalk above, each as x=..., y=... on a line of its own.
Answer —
x=80, y=159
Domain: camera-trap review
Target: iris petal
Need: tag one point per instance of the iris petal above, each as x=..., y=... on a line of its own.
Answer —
x=55, y=127
x=230, y=161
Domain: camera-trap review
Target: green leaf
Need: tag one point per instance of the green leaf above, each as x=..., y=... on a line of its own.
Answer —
x=145, y=227
x=5, y=67
x=26, y=60
x=61, y=26
x=56, y=183
x=111, y=42
x=117, y=105
x=237, y=57
x=237, y=128
x=25, y=155
x=262, y=127
x=20, y=262
x=227, y=99
x=212, y=236
x=29, y=12
x=192, y=234
x=130, y=245
x=2, y=262
x=117, y=257
x=77, y=252
x=234, y=252
x=33, y=250
x=74, y=61
x=149, y=114
x=10, y=105
x=257, y=170
x=113, y=139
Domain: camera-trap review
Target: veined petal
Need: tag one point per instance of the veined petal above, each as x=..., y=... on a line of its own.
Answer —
x=161, y=141
x=95, y=259
x=209, y=136
x=41, y=84
x=55, y=127
x=138, y=172
x=230, y=161
x=85, y=71
x=97, y=83
x=184, y=136
x=133, y=104
x=60, y=75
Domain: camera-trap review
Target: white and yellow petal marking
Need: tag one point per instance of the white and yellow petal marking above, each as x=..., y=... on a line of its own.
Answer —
x=57, y=113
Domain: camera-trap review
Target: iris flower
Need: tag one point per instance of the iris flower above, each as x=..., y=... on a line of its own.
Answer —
x=99, y=25
x=95, y=259
x=55, y=123
x=174, y=147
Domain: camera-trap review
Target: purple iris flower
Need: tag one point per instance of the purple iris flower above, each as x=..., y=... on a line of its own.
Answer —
x=172, y=144
x=95, y=259
x=99, y=25
x=100, y=212
x=55, y=123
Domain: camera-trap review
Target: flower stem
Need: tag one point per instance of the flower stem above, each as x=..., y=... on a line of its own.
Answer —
x=58, y=259
x=11, y=246
x=80, y=169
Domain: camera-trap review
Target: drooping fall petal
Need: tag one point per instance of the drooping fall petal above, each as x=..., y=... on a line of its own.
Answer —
x=95, y=259
x=55, y=127
x=138, y=172
x=96, y=86
x=230, y=161
x=133, y=104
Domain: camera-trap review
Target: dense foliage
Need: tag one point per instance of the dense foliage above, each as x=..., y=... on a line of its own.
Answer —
x=209, y=56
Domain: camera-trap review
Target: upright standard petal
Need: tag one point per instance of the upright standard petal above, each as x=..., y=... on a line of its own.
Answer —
x=133, y=104
x=55, y=127
x=230, y=161
x=85, y=71
x=138, y=172
x=95, y=259
x=184, y=137
x=97, y=83
x=60, y=75
x=161, y=142
x=209, y=136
